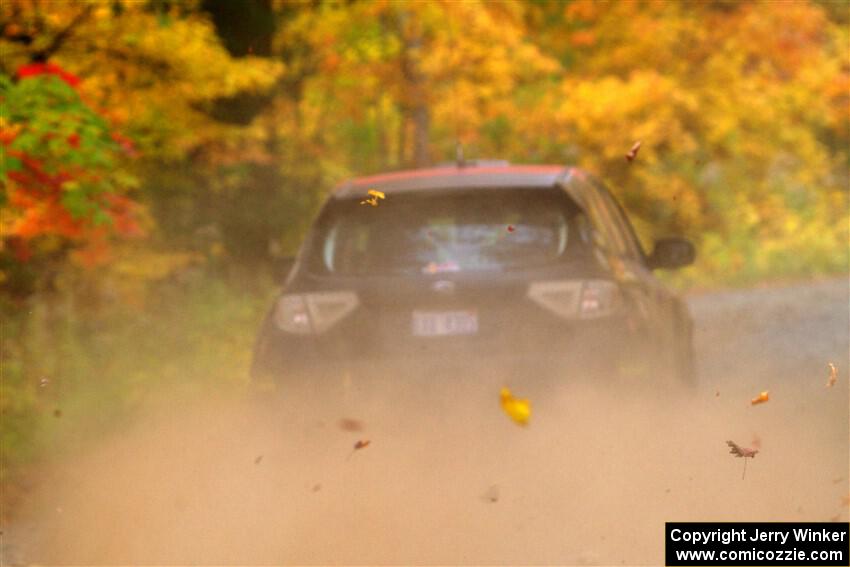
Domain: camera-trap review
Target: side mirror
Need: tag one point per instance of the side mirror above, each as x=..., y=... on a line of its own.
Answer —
x=672, y=252
x=281, y=267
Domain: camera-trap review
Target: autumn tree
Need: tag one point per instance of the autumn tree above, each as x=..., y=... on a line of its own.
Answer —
x=237, y=108
x=743, y=112
x=156, y=73
x=400, y=83
x=95, y=97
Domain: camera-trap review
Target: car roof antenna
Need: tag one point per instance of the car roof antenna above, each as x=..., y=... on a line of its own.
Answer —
x=459, y=155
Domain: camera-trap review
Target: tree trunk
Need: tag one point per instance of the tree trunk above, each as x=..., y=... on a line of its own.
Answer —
x=401, y=155
x=415, y=95
x=380, y=127
x=421, y=125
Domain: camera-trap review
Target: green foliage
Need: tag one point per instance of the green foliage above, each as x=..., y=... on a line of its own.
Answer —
x=49, y=111
x=109, y=364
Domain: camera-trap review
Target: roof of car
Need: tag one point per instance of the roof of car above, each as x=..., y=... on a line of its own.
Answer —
x=448, y=177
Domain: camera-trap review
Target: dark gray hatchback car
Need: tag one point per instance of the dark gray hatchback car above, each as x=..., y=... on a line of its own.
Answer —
x=492, y=261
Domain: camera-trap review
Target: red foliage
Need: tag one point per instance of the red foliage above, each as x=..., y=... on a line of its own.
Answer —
x=126, y=144
x=35, y=69
x=37, y=195
x=124, y=213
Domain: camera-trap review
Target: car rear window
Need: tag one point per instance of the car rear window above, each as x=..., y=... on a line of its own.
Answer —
x=456, y=231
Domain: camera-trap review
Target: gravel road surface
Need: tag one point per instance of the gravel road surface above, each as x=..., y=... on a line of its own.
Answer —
x=450, y=480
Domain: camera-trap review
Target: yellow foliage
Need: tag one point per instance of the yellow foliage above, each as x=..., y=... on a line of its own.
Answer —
x=742, y=108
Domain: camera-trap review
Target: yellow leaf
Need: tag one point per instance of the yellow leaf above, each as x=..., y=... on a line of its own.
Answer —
x=517, y=409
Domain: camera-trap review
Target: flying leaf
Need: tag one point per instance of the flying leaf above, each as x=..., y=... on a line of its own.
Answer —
x=362, y=444
x=738, y=451
x=517, y=409
x=633, y=152
x=744, y=452
x=374, y=196
x=492, y=494
x=511, y=228
x=258, y=459
x=760, y=399
x=833, y=376
x=348, y=424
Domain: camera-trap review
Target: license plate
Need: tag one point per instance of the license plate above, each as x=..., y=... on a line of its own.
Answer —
x=444, y=323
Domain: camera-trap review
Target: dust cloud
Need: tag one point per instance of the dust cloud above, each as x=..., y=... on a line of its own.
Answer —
x=447, y=478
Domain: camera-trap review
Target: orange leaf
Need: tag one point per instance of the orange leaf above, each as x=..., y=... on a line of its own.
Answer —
x=760, y=399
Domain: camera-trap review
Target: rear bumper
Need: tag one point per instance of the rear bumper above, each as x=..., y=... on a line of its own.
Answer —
x=560, y=352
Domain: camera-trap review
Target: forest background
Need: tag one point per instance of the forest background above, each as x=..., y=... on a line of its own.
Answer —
x=159, y=156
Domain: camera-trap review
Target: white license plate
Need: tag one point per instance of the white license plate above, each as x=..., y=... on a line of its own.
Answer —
x=443, y=323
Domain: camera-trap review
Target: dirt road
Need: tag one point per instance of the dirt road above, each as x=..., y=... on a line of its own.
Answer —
x=450, y=480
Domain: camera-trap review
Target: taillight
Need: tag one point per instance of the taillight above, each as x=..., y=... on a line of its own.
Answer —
x=577, y=299
x=291, y=315
x=560, y=297
x=598, y=299
x=313, y=313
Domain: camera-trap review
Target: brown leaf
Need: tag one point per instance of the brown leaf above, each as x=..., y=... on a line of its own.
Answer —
x=258, y=459
x=739, y=451
x=633, y=152
x=361, y=444
x=348, y=424
x=492, y=494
